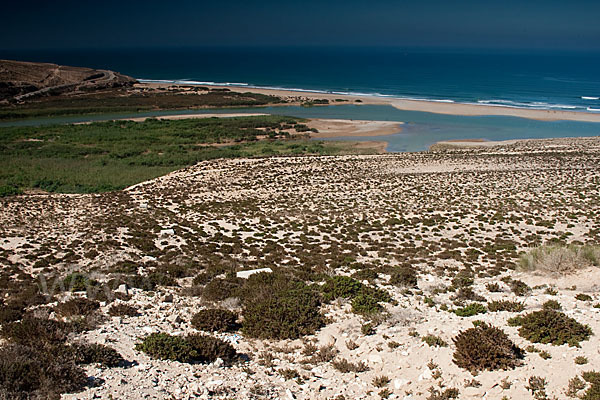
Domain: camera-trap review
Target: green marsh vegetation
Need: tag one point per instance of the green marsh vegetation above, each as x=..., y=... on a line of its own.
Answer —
x=122, y=100
x=107, y=156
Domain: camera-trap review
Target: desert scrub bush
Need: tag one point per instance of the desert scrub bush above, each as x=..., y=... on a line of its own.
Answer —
x=276, y=307
x=214, y=319
x=220, y=289
x=551, y=327
x=77, y=282
x=380, y=381
x=76, y=306
x=29, y=373
x=593, y=380
x=462, y=279
x=551, y=305
x=366, y=304
x=583, y=297
x=434, y=341
x=470, y=310
x=190, y=349
x=367, y=329
x=340, y=287
x=537, y=387
x=519, y=288
x=505, y=305
x=404, y=276
x=122, y=310
x=166, y=347
x=94, y=354
x=560, y=259
x=581, y=360
x=345, y=366
x=36, y=332
x=485, y=348
x=493, y=287
x=447, y=394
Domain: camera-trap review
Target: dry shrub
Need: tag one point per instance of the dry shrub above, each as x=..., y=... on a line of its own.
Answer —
x=486, y=348
x=560, y=260
x=214, y=319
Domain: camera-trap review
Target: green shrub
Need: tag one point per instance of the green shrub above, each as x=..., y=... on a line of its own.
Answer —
x=193, y=348
x=9, y=190
x=485, y=348
x=551, y=305
x=365, y=304
x=220, y=289
x=404, y=276
x=345, y=366
x=95, y=354
x=367, y=329
x=77, y=282
x=493, y=287
x=340, y=287
x=214, y=319
x=505, y=305
x=209, y=348
x=434, y=341
x=554, y=327
x=470, y=310
x=166, y=347
x=279, y=308
x=593, y=391
x=583, y=297
x=463, y=279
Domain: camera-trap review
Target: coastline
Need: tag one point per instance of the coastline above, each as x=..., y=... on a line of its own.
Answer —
x=296, y=97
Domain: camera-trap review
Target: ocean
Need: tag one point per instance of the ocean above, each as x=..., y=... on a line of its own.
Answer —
x=546, y=80
x=542, y=80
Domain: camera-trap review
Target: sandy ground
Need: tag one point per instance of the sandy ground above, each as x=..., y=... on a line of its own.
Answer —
x=419, y=105
x=440, y=212
x=340, y=127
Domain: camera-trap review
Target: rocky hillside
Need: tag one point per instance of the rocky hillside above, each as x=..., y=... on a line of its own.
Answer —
x=20, y=81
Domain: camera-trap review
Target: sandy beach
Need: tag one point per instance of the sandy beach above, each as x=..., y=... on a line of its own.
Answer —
x=297, y=97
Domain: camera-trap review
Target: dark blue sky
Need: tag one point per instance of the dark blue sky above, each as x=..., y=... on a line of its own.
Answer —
x=521, y=24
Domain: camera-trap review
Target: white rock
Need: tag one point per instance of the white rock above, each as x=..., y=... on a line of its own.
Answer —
x=398, y=383
x=167, y=232
x=426, y=375
x=375, y=358
x=246, y=274
x=289, y=394
x=122, y=289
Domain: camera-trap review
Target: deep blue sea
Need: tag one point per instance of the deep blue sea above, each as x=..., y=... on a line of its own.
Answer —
x=542, y=80
x=569, y=81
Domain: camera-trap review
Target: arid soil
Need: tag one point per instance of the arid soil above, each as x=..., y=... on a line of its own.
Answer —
x=440, y=212
x=20, y=81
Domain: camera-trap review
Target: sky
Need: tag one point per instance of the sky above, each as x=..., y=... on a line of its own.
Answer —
x=494, y=24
